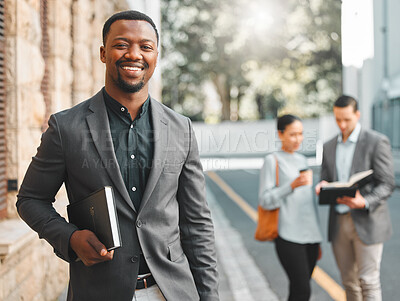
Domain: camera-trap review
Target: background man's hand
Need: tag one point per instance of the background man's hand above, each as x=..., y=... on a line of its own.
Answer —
x=358, y=202
x=319, y=185
x=88, y=248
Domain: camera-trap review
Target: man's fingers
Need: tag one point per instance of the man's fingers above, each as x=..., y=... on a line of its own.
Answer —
x=110, y=254
x=340, y=200
x=319, y=185
x=97, y=245
x=318, y=188
x=88, y=248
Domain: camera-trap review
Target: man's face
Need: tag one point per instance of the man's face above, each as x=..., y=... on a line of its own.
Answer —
x=130, y=54
x=346, y=119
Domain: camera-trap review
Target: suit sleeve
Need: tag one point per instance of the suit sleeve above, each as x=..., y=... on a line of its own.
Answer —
x=382, y=164
x=43, y=179
x=197, y=231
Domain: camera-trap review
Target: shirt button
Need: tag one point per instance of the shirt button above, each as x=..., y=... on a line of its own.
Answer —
x=133, y=188
x=122, y=109
x=139, y=223
x=132, y=156
x=135, y=259
x=131, y=126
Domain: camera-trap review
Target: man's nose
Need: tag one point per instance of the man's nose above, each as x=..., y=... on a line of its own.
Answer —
x=134, y=53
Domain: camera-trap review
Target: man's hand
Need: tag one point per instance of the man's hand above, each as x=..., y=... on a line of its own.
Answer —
x=319, y=185
x=358, y=202
x=88, y=248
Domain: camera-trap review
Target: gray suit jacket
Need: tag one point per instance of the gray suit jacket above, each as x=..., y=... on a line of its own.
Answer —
x=172, y=227
x=372, y=152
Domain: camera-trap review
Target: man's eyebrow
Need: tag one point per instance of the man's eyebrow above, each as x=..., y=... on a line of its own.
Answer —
x=148, y=40
x=120, y=38
x=128, y=40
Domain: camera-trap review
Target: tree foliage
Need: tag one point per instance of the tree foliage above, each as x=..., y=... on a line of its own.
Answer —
x=281, y=55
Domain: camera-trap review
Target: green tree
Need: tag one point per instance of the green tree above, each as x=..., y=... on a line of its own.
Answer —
x=284, y=55
x=305, y=76
x=201, y=43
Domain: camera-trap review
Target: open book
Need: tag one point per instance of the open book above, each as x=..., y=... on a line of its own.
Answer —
x=97, y=213
x=333, y=190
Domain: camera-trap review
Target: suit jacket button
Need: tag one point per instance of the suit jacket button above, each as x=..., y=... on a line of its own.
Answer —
x=135, y=259
x=139, y=223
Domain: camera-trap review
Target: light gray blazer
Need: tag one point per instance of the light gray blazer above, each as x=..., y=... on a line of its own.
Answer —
x=173, y=226
x=372, y=152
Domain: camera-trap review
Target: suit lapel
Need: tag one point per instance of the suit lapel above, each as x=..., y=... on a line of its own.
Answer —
x=161, y=133
x=332, y=154
x=99, y=128
x=360, y=148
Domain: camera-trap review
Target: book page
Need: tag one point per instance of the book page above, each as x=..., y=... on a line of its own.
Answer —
x=359, y=176
x=353, y=179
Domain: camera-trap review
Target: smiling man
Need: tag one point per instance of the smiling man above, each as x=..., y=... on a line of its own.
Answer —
x=149, y=155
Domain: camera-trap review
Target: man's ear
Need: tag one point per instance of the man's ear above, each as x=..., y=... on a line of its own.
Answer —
x=102, y=54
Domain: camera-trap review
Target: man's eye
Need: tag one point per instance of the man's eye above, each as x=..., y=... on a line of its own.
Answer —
x=120, y=45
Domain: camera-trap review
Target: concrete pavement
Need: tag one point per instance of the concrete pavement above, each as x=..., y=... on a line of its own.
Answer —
x=240, y=278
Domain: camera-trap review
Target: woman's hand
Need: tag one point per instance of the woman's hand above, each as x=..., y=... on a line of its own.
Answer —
x=305, y=178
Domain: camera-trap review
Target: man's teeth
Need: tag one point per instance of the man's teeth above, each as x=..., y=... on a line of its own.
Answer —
x=131, y=68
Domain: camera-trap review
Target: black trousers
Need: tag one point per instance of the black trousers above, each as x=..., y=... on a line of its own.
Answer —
x=298, y=261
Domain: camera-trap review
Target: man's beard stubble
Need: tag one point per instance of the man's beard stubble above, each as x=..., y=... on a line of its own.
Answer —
x=125, y=86
x=130, y=88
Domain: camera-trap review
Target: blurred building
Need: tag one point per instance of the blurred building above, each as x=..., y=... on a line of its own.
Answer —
x=371, y=65
x=49, y=61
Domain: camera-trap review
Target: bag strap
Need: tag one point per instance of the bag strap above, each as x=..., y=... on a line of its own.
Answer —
x=276, y=172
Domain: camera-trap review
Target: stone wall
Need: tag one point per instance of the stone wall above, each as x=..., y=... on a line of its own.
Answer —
x=60, y=69
x=29, y=270
x=24, y=73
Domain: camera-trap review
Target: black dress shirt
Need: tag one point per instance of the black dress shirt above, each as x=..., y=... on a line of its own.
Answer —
x=134, y=147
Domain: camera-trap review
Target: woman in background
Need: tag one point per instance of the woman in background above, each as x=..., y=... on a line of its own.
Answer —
x=297, y=245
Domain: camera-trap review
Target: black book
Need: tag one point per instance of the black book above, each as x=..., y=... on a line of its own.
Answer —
x=333, y=190
x=97, y=213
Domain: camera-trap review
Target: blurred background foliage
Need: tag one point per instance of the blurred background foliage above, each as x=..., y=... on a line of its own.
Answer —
x=250, y=59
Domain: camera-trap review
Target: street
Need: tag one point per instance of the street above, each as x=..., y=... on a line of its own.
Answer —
x=235, y=192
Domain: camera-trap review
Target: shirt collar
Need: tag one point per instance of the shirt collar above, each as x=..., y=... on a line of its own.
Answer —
x=120, y=109
x=353, y=136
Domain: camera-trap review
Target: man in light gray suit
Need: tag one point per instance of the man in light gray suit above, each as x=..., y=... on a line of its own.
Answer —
x=123, y=138
x=358, y=226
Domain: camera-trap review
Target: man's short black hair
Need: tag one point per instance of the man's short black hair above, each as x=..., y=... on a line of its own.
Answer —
x=345, y=101
x=127, y=15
